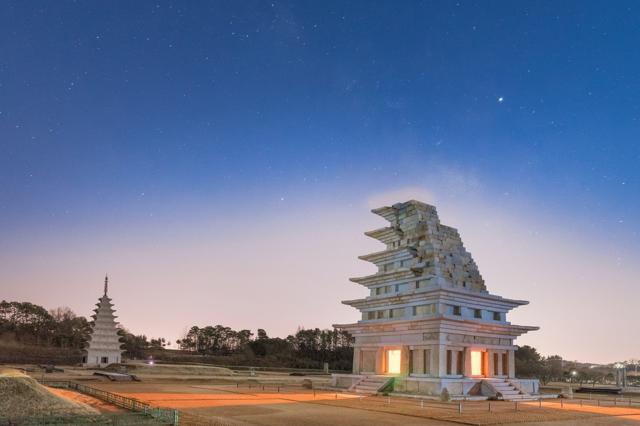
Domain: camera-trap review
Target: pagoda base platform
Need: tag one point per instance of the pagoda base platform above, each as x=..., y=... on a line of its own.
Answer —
x=433, y=386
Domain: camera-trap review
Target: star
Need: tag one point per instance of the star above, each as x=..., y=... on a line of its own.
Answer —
x=500, y=99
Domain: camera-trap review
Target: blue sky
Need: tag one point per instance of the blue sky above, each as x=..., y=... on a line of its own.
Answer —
x=126, y=117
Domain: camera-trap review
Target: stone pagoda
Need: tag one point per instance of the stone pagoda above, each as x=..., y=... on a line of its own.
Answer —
x=104, y=343
x=429, y=322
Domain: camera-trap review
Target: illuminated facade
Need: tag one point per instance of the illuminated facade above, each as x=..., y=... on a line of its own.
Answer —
x=428, y=319
x=104, y=343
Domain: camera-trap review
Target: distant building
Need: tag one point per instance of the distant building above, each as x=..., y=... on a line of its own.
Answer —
x=429, y=321
x=104, y=343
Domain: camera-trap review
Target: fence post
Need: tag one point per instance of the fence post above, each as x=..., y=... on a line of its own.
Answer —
x=176, y=417
x=422, y=403
x=489, y=406
x=388, y=400
x=561, y=403
x=516, y=405
x=459, y=407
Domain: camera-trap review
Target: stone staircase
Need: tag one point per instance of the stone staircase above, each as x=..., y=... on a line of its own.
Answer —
x=509, y=392
x=370, y=384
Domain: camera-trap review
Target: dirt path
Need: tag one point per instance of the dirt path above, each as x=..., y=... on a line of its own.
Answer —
x=98, y=404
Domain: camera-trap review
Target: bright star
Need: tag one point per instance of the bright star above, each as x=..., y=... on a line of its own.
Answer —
x=500, y=99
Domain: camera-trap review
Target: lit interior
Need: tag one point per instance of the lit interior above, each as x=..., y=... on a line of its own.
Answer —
x=393, y=361
x=476, y=363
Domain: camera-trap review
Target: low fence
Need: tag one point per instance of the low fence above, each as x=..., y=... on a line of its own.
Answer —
x=138, y=408
x=163, y=415
x=470, y=406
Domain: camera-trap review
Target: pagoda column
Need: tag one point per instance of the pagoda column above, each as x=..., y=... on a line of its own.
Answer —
x=356, y=360
x=512, y=364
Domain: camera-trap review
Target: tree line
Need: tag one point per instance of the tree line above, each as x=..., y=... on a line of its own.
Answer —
x=307, y=348
x=32, y=325
x=529, y=363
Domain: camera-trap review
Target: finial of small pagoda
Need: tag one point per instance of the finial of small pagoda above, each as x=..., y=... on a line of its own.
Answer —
x=106, y=283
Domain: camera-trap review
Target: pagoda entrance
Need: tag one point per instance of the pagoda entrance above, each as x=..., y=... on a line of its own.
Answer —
x=393, y=361
x=478, y=363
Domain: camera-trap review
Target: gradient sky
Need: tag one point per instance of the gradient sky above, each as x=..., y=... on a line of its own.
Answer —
x=219, y=159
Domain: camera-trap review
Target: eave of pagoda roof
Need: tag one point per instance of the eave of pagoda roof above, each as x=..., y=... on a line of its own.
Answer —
x=384, y=277
x=386, y=212
x=444, y=294
x=441, y=323
x=406, y=252
x=386, y=235
x=390, y=212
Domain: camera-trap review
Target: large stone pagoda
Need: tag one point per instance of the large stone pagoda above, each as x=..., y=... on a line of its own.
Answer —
x=429, y=321
x=104, y=343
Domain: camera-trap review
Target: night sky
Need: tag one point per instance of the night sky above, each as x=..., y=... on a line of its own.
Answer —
x=213, y=157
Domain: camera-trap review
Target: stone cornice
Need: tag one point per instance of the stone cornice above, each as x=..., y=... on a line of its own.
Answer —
x=405, y=252
x=447, y=295
x=379, y=278
x=386, y=235
x=440, y=323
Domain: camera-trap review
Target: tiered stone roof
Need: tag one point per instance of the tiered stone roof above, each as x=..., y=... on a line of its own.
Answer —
x=420, y=247
x=104, y=332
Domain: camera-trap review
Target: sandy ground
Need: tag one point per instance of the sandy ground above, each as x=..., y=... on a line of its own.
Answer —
x=98, y=404
x=293, y=406
x=279, y=399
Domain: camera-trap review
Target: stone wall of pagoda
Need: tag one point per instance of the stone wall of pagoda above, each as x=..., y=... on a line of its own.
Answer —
x=439, y=250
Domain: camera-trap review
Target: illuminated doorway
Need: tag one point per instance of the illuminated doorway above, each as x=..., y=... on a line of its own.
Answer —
x=393, y=361
x=478, y=361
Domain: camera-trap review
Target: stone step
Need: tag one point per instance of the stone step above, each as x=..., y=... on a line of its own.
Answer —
x=371, y=387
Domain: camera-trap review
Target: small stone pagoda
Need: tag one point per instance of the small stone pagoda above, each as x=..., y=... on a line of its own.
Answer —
x=429, y=321
x=104, y=343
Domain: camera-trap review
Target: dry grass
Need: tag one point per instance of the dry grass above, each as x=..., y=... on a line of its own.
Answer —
x=177, y=370
x=22, y=396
